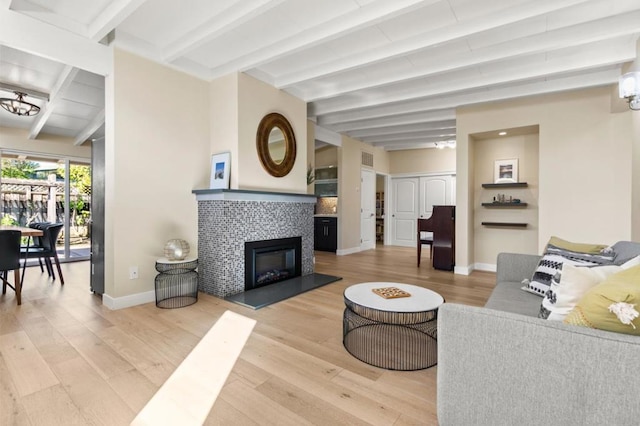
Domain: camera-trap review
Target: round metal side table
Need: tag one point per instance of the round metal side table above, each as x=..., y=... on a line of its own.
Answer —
x=177, y=282
x=396, y=334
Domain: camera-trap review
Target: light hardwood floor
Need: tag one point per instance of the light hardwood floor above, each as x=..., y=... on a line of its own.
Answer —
x=65, y=359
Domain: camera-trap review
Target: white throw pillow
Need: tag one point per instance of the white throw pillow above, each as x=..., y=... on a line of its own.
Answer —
x=551, y=264
x=569, y=286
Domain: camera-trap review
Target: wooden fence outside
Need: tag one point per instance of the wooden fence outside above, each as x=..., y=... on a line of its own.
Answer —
x=25, y=201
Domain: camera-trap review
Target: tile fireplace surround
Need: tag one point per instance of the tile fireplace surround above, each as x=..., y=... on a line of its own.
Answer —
x=228, y=218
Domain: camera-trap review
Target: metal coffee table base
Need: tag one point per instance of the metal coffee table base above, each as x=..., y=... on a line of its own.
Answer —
x=406, y=345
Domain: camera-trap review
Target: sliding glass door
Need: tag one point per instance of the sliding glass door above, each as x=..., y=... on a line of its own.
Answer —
x=76, y=204
x=41, y=188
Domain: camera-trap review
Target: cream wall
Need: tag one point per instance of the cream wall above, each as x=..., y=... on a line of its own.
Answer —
x=327, y=156
x=238, y=103
x=381, y=159
x=223, y=119
x=311, y=152
x=17, y=140
x=635, y=209
x=157, y=151
x=585, y=162
x=255, y=100
x=422, y=161
x=489, y=241
x=635, y=197
x=349, y=167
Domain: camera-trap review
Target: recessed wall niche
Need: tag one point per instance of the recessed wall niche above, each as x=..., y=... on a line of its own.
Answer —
x=518, y=143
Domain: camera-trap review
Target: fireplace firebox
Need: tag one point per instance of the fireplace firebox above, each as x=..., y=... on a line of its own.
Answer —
x=271, y=261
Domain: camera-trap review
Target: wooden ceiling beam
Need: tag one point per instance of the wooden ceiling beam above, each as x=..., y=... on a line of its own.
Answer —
x=339, y=26
x=426, y=40
x=577, y=36
x=116, y=12
x=94, y=124
x=55, y=97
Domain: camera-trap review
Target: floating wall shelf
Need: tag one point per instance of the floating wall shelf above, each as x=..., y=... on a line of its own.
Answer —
x=504, y=204
x=505, y=185
x=506, y=224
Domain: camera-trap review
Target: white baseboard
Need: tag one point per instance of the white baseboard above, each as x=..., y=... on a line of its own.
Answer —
x=462, y=270
x=114, y=303
x=400, y=244
x=371, y=246
x=489, y=267
x=466, y=270
x=344, y=252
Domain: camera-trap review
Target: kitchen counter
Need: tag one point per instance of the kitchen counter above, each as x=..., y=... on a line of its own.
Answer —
x=326, y=215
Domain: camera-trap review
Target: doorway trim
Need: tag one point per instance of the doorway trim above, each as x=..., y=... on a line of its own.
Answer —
x=367, y=210
x=385, y=218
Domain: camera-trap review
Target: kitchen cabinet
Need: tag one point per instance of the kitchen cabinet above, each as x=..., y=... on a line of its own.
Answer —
x=327, y=188
x=326, y=184
x=325, y=234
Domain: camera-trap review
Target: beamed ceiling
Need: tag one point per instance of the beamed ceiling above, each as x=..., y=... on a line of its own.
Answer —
x=388, y=72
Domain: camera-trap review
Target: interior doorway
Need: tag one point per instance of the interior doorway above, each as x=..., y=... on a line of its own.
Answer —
x=367, y=209
x=381, y=204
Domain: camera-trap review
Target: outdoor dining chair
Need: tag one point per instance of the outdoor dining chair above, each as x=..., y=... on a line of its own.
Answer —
x=45, y=249
x=37, y=241
x=10, y=261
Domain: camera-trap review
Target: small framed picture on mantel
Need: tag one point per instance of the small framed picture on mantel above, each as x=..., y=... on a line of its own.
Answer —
x=220, y=170
x=506, y=171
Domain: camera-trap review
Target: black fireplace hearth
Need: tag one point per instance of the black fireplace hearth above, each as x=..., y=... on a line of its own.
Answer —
x=269, y=294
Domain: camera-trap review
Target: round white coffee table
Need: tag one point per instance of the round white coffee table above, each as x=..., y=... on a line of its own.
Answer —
x=396, y=333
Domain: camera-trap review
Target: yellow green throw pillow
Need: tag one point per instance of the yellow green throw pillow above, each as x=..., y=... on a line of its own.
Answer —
x=619, y=293
x=577, y=247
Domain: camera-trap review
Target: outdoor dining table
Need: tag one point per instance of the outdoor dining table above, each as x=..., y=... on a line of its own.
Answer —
x=26, y=232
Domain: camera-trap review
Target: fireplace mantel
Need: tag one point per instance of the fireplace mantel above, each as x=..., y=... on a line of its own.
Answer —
x=252, y=195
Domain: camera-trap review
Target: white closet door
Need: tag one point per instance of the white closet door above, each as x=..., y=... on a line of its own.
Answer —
x=434, y=191
x=404, y=211
x=413, y=198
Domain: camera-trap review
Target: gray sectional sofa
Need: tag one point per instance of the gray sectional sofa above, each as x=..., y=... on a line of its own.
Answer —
x=502, y=365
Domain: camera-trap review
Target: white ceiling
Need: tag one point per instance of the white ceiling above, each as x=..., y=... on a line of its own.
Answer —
x=387, y=72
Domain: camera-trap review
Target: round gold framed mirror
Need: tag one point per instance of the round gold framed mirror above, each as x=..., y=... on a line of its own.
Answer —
x=276, y=144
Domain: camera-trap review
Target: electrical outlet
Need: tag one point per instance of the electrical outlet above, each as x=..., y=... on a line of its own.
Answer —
x=133, y=272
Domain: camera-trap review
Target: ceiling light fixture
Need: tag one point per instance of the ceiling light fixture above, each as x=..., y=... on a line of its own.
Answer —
x=19, y=106
x=445, y=144
x=502, y=133
x=629, y=88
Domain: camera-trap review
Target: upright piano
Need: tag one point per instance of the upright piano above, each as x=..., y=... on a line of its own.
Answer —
x=443, y=225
